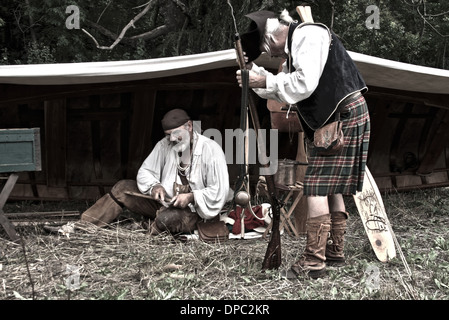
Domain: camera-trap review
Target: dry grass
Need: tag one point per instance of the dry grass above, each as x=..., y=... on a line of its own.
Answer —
x=123, y=262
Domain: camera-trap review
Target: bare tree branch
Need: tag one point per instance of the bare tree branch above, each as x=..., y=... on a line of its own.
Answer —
x=142, y=5
x=95, y=40
x=124, y=30
x=104, y=10
x=423, y=16
x=101, y=29
x=18, y=17
x=181, y=5
x=30, y=16
x=159, y=31
x=332, y=14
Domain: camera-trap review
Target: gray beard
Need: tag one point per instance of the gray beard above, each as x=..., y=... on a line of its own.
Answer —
x=181, y=146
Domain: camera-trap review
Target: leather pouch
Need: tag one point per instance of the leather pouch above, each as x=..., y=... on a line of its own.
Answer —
x=329, y=140
x=213, y=231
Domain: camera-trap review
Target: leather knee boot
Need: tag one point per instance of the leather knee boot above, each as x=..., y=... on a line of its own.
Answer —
x=313, y=259
x=335, y=244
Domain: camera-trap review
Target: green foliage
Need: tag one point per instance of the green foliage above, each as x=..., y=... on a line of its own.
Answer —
x=403, y=35
x=34, y=31
x=39, y=53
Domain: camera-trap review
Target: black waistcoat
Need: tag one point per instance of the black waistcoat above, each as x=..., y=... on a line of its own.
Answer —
x=340, y=79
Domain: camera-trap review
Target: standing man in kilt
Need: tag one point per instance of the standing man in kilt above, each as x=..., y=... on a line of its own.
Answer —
x=319, y=77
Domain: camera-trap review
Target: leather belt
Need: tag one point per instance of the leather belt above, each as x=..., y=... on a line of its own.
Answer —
x=343, y=107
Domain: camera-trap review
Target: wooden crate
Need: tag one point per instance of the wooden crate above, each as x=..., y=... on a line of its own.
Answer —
x=20, y=150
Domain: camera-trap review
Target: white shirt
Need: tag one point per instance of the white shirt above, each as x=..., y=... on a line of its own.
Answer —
x=208, y=179
x=310, y=49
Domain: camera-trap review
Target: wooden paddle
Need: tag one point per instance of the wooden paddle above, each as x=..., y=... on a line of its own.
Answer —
x=375, y=220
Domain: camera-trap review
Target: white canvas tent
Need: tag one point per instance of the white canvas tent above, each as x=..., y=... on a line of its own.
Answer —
x=376, y=71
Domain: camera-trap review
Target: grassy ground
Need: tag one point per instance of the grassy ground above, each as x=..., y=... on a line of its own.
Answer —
x=125, y=263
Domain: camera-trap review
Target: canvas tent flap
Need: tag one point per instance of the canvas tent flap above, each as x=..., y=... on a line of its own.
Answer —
x=401, y=76
x=114, y=71
x=376, y=71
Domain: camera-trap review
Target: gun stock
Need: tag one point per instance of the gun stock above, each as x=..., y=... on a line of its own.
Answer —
x=272, y=259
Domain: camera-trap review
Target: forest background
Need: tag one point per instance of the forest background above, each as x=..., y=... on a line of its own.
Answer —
x=57, y=31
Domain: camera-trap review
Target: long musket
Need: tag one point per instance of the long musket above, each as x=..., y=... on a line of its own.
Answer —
x=272, y=258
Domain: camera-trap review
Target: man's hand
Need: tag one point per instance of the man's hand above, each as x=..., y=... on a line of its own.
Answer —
x=182, y=200
x=158, y=193
x=255, y=80
x=248, y=65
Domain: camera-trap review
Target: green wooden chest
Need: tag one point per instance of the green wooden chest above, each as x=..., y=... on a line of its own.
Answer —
x=20, y=150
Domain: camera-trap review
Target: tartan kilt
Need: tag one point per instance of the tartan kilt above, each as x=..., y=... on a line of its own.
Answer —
x=342, y=173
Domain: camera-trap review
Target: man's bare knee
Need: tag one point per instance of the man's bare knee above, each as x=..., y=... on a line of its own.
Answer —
x=336, y=203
